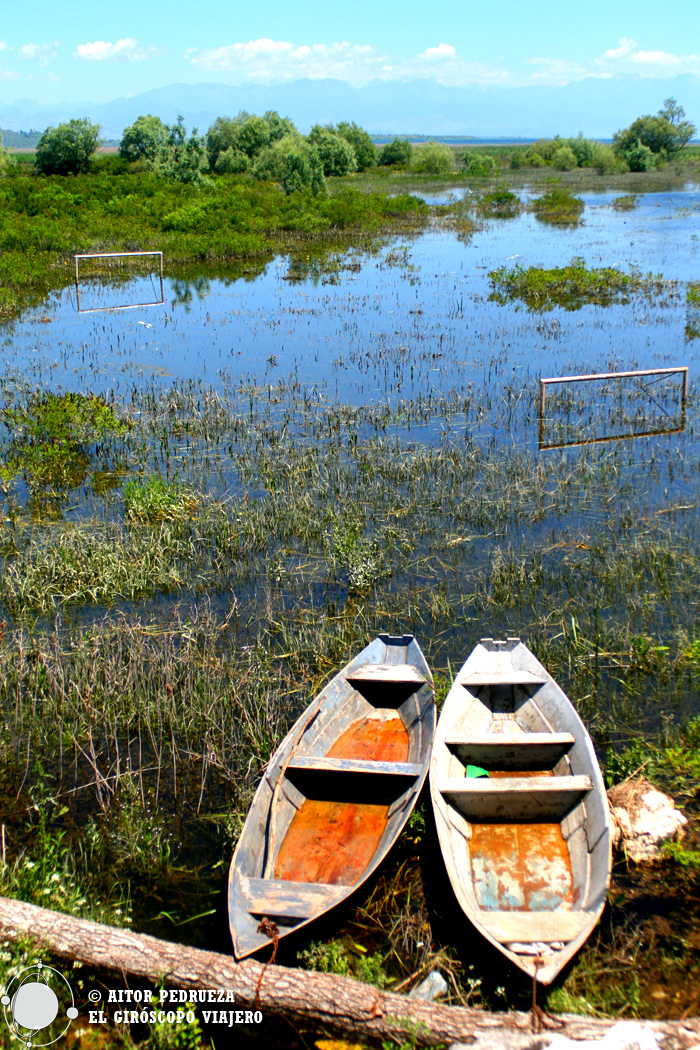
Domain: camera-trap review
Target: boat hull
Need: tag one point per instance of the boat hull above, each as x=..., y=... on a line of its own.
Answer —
x=336, y=794
x=520, y=809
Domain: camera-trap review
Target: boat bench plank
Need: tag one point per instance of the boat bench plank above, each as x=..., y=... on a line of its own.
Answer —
x=289, y=900
x=410, y=770
x=387, y=673
x=532, y=926
x=509, y=677
x=514, y=798
x=501, y=751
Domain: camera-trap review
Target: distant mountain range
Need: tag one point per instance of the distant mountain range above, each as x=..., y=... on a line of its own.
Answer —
x=598, y=107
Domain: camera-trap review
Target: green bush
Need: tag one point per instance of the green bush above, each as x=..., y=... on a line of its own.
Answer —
x=143, y=138
x=335, y=152
x=433, y=158
x=534, y=159
x=564, y=159
x=361, y=142
x=639, y=157
x=293, y=163
x=180, y=158
x=231, y=162
x=67, y=148
x=396, y=153
x=479, y=164
x=665, y=134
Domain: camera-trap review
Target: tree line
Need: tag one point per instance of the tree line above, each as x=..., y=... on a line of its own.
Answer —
x=271, y=148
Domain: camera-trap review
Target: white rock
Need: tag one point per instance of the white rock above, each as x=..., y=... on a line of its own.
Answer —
x=644, y=818
x=433, y=986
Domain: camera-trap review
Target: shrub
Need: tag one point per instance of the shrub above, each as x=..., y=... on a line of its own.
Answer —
x=336, y=154
x=433, y=158
x=67, y=148
x=639, y=157
x=143, y=138
x=292, y=162
x=604, y=160
x=361, y=142
x=231, y=162
x=534, y=159
x=665, y=134
x=480, y=164
x=396, y=153
x=564, y=159
x=180, y=158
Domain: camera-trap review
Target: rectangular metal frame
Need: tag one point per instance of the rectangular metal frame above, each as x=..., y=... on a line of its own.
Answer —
x=116, y=255
x=683, y=369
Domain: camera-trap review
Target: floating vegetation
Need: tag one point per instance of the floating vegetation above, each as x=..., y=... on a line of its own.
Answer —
x=571, y=286
x=53, y=437
x=558, y=206
x=156, y=500
x=628, y=202
x=501, y=204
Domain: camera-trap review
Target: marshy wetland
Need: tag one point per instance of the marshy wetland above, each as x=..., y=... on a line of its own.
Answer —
x=209, y=506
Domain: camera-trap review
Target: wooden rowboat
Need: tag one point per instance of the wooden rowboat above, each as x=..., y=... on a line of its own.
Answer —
x=520, y=808
x=336, y=793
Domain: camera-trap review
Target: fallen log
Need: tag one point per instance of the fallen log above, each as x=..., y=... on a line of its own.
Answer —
x=324, y=1002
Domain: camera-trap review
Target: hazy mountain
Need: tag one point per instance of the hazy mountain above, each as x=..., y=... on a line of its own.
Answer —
x=598, y=107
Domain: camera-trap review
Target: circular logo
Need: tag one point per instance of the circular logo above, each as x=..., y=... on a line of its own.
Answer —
x=33, y=1000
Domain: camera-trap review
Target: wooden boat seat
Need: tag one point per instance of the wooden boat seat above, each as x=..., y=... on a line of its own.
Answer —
x=279, y=899
x=405, y=674
x=509, y=677
x=501, y=751
x=310, y=763
x=507, y=799
x=532, y=926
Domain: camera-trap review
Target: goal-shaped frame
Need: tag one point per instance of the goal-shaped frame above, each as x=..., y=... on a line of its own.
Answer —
x=118, y=255
x=680, y=370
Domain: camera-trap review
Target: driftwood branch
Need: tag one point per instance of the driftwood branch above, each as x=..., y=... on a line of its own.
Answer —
x=320, y=1001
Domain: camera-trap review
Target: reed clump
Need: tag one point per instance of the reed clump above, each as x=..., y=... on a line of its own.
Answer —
x=571, y=286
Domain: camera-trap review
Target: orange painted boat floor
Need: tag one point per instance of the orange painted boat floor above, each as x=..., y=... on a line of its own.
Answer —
x=373, y=739
x=521, y=867
x=521, y=772
x=331, y=842
x=334, y=842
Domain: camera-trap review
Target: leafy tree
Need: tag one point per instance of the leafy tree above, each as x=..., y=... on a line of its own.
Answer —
x=231, y=162
x=433, y=158
x=253, y=135
x=66, y=149
x=279, y=126
x=292, y=162
x=180, y=158
x=6, y=160
x=143, y=138
x=564, y=159
x=396, y=153
x=481, y=164
x=361, y=142
x=639, y=157
x=336, y=153
x=665, y=134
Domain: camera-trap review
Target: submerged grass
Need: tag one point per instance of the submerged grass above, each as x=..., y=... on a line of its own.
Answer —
x=571, y=286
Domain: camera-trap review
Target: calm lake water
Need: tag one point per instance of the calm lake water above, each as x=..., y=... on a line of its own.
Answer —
x=413, y=318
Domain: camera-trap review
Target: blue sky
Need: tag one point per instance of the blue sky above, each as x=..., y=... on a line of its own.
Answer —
x=87, y=51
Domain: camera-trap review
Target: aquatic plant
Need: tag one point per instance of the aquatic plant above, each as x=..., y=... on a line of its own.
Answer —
x=558, y=206
x=571, y=286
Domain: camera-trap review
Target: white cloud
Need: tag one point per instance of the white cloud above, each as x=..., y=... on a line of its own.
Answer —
x=43, y=52
x=628, y=57
x=439, y=52
x=127, y=50
x=3, y=45
x=267, y=59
